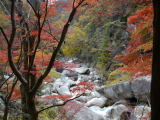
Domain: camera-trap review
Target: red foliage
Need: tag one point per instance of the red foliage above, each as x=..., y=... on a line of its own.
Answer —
x=137, y=60
x=34, y=33
x=141, y=15
x=61, y=64
x=62, y=97
x=72, y=108
x=16, y=94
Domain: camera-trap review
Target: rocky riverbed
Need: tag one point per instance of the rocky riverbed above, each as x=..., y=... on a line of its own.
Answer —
x=123, y=101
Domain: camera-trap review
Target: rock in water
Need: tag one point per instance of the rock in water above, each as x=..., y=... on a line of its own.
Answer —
x=96, y=102
x=110, y=113
x=82, y=70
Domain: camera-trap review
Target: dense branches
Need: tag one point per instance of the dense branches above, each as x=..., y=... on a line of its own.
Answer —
x=30, y=40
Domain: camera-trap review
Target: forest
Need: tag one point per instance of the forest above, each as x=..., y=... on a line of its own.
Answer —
x=79, y=59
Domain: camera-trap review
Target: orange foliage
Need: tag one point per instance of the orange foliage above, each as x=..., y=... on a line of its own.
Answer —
x=136, y=64
x=51, y=9
x=3, y=57
x=142, y=15
x=16, y=94
x=138, y=59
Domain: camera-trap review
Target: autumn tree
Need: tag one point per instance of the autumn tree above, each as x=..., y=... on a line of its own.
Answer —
x=143, y=56
x=29, y=34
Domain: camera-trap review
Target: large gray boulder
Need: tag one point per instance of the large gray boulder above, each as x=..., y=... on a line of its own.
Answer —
x=67, y=73
x=117, y=91
x=139, y=89
x=63, y=81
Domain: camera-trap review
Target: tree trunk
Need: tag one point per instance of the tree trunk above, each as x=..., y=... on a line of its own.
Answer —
x=28, y=105
x=155, y=83
x=5, y=116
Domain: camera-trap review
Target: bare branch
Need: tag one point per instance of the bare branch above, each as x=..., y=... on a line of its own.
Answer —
x=40, y=27
x=50, y=32
x=1, y=85
x=35, y=12
x=4, y=7
x=4, y=35
x=18, y=64
x=12, y=89
x=55, y=52
x=57, y=105
x=10, y=43
x=73, y=4
x=80, y=3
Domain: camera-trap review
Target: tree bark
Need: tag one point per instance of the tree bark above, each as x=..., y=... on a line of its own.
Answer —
x=5, y=111
x=155, y=83
x=28, y=104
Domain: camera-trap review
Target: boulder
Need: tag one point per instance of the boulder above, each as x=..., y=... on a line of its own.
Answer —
x=141, y=112
x=94, y=93
x=99, y=111
x=83, y=99
x=82, y=70
x=83, y=78
x=62, y=85
x=114, y=112
x=60, y=70
x=67, y=81
x=117, y=91
x=57, y=83
x=138, y=89
x=67, y=73
x=88, y=97
x=110, y=113
x=73, y=75
x=141, y=89
x=86, y=114
x=63, y=90
x=96, y=102
x=63, y=81
x=95, y=75
x=46, y=91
